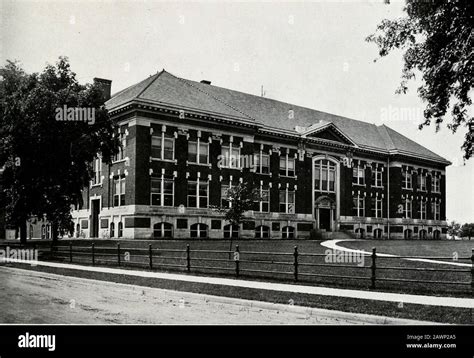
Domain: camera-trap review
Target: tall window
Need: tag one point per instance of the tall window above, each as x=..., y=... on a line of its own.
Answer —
x=120, y=229
x=377, y=207
x=162, y=230
x=262, y=232
x=162, y=147
x=288, y=232
x=225, y=201
x=231, y=231
x=436, y=184
x=112, y=229
x=97, y=177
x=199, y=231
x=230, y=156
x=422, y=182
x=436, y=211
x=119, y=190
x=162, y=191
x=287, y=166
x=324, y=175
x=287, y=201
x=198, y=152
x=358, y=175
x=407, y=180
x=123, y=146
x=377, y=177
x=263, y=205
x=422, y=210
x=262, y=162
x=407, y=209
x=198, y=194
x=358, y=208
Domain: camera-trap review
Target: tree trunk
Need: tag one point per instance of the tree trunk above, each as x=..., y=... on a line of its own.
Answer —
x=23, y=233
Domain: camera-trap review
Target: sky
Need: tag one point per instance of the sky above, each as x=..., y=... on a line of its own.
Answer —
x=312, y=54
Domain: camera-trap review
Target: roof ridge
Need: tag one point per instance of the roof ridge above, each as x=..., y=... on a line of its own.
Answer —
x=208, y=94
x=156, y=75
x=388, y=136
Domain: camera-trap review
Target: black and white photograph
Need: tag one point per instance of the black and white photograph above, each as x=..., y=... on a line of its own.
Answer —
x=184, y=169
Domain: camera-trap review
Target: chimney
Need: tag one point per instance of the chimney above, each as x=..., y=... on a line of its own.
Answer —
x=105, y=86
x=206, y=82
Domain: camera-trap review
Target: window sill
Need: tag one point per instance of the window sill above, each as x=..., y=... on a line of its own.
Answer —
x=96, y=185
x=289, y=176
x=175, y=161
x=410, y=189
x=358, y=184
x=209, y=165
x=119, y=161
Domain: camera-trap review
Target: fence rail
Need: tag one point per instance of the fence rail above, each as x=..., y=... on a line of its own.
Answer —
x=293, y=265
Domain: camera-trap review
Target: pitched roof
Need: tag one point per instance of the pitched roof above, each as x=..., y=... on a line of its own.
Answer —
x=164, y=88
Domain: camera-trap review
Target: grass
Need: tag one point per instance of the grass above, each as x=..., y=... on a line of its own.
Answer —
x=274, y=261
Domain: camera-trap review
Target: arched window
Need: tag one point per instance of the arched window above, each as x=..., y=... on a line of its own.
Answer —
x=199, y=231
x=162, y=230
x=48, y=231
x=112, y=229
x=78, y=230
x=436, y=235
x=43, y=231
x=360, y=233
x=407, y=234
x=262, y=232
x=231, y=231
x=422, y=234
x=377, y=233
x=288, y=232
x=120, y=229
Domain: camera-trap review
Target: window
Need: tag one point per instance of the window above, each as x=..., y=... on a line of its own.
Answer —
x=263, y=205
x=262, y=162
x=407, y=183
x=198, y=194
x=422, y=182
x=97, y=177
x=324, y=176
x=226, y=202
x=287, y=201
x=288, y=232
x=376, y=207
x=230, y=156
x=287, y=166
x=358, y=206
x=162, y=147
x=358, y=175
x=162, y=191
x=199, y=231
x=119, y=191
x=120, y=229
x=436, y=184
x=436, y=211
x=422, y=210
x=231, y=231
x=162, y=230
x=112, y=229
x=377, y=177
x=123, y=146
x=198, y=152
x=407, y=209
x=78, y=230
x=262, y=232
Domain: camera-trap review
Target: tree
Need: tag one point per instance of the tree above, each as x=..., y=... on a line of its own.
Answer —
x=437, y=39
x=454, y=228
x=242, y=199
x=46, y=162
x=467, y=230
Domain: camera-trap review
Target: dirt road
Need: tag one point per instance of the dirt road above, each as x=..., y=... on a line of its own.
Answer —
x=38, y=297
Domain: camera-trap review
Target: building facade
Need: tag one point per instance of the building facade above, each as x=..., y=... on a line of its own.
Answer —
x=185, y=143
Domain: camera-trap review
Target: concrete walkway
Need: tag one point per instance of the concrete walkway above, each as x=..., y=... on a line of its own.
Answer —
x=312, y=290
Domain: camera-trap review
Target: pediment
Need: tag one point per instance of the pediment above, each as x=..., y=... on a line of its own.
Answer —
x=327, y=131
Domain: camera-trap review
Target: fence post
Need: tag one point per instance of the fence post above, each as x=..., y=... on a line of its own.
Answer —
x=295, y=254
x=472, y=271
x=373, y=267
x=118, y=254
x=151, y=256
x=237, y=259
x=70, y=252
x=188, y=258
x=93, y=254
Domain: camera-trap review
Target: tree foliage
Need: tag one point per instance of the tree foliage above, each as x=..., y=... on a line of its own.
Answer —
x=46, y=163
x=438, y=41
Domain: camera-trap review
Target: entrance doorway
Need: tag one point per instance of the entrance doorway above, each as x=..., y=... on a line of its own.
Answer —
x=325, y=219
x=95, y=209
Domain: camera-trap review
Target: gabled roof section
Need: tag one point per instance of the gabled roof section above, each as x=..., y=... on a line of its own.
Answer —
x=325, y=131
x=166, y=89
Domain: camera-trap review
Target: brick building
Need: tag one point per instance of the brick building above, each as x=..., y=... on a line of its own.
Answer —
x=185, y=143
